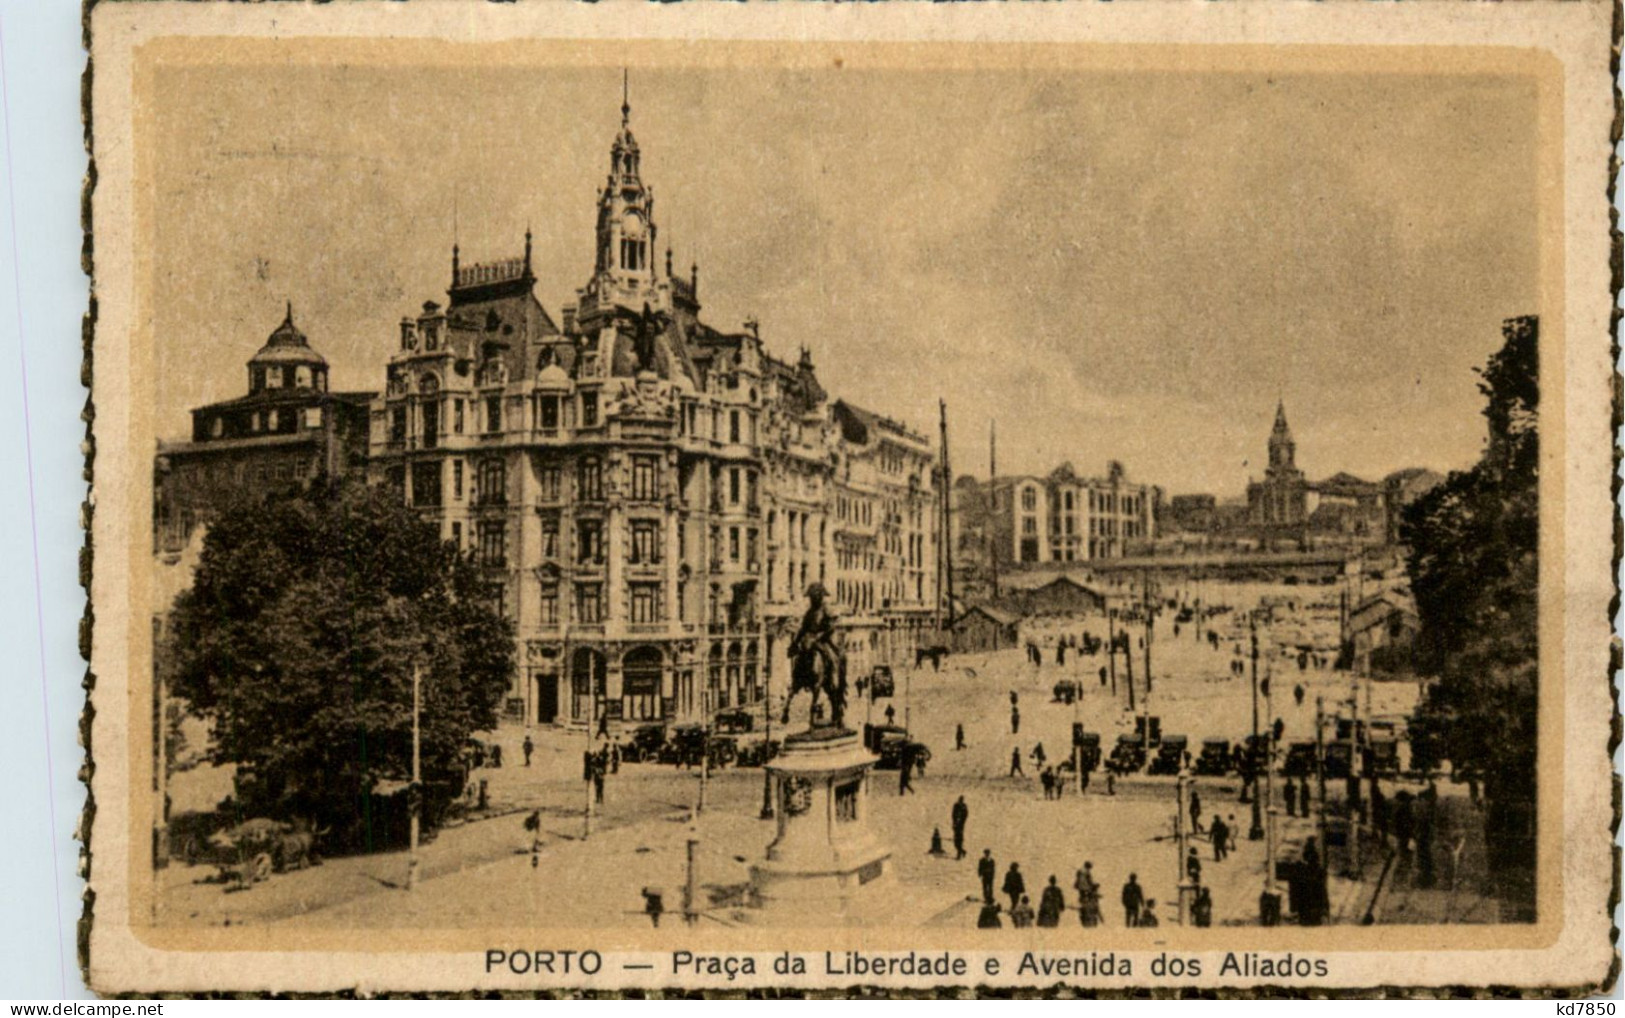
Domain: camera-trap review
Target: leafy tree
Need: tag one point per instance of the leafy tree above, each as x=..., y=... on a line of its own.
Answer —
x=1474, y=569
x=298, y=641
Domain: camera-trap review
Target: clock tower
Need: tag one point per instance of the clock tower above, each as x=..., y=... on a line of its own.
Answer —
x=624, y=267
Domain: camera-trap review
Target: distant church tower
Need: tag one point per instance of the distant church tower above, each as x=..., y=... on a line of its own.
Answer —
x=1283, y=451
x=1282, y=498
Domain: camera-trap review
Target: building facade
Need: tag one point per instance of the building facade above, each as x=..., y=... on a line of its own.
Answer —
x=650, y=496
x=288, y=431
x=1062, y=517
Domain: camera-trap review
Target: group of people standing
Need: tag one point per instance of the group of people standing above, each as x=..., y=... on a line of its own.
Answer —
x=1052, y=901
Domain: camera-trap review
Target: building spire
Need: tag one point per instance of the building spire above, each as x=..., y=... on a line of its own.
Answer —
x=289, y=319
x=626, y=97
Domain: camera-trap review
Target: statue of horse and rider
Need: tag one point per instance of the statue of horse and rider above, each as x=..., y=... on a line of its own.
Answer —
x=817, y=665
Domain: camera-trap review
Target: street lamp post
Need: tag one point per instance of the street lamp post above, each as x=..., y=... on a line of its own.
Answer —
x=767, y=737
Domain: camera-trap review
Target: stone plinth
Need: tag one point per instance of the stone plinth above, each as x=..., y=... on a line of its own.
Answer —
x=825, y=867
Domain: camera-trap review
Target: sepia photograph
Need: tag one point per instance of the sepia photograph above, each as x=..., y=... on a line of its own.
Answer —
x=889, y=505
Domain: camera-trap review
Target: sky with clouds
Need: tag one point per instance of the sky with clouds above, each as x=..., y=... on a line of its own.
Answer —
x=1111, y=265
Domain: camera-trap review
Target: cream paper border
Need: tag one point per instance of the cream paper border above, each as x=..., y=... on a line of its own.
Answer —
x=1566, y=46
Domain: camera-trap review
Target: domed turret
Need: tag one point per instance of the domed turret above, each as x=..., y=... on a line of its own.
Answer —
x=286, y=361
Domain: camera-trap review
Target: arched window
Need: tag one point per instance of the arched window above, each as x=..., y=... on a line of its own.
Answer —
x=713, y=679
x=733, y=691
x=640, y=684
x=587, y=671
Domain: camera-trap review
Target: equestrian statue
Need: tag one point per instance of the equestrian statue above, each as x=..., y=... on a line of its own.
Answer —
x=818, y=666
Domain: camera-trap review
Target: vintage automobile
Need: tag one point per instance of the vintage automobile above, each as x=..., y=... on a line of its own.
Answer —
x=685, y=747
x=1214, y=760
x=1300, y=760
x=736, y=721
x=1170, y=755
x=645, y=744
x=895, y=747
x=724, y=750
x=1385, y=758
x=1128, y=756
x=755, y=754
x=1339, y=760
x=1088, y=747
x=1066, y=690
x=247, y=853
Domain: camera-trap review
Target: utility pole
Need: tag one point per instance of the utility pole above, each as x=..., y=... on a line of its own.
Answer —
x=690, y=882
x=1256, y=831
x=1320, y=783
x=1273, y=908
x=587, y=763
x=993, y=496
x=946, y=616
x=416, y=793
x=1187, y=890
x=1111, y=647
x=1150, y=627
x=705, y=764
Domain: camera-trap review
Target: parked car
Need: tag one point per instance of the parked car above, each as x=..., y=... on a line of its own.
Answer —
x=755, y=754
x=645, y=744
x=685, y=747
x=735, y=721
x=246, y=854
x=1088, y=744
x=1339, y=760
x=1170, y=755
x=895, y=748
x=1385, y=758
x=1128, y=755
x=1214, y=760
x=1300, y=760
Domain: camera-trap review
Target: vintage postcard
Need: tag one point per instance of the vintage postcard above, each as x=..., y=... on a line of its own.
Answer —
x=713, y=497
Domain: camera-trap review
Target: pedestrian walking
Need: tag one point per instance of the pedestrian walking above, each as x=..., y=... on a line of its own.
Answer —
x=1230, y=829
x=1015, y=720
x=960, y=816
x=598, y=784
x=1047, y=777
x=1015, y=762
x=1133, y=900
x=1051, y=904
x=1111, y=781
x=529, y=747
x=1014, y=886
x=1148, y=914
x=1193, y=866
x=905, y=771
x=988, y=918
x=959, y=737
x=1297, y=693
x=1038, y=756
x=615, y=758
x=987, y=869
x=1220, y=833
x=1280, y=727
x=891, y=715
x=1196, y=811
x=496, y=755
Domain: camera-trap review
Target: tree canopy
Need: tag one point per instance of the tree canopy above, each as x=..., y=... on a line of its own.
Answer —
x=1474, y=568
x=299, y=637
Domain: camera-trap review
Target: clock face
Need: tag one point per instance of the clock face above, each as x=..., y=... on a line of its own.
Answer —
x=797, y=795
x=632, y=226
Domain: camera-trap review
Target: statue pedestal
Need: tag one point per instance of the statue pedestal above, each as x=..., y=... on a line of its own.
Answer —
x=825, y=867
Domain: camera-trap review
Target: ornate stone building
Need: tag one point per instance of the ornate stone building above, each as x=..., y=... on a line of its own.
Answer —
x=1027, y=520
x=649, y=495
x=288, y=431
